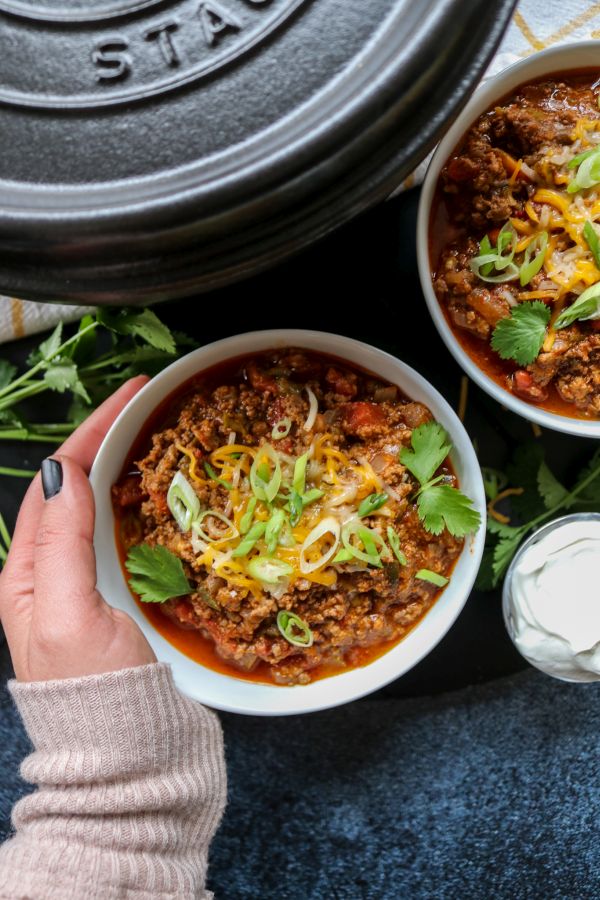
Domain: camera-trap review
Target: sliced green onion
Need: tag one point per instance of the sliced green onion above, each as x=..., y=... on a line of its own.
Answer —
x=394, y=542
x=593, y=241
x=370, y=540
x=253, y=535
x=587, y=306
x=183, y=501
x=286, y=538
x=371, y=503
x=281, y=429
x=511, y=272
x=530, y=266
x=294, y=629
x=214, y=477
x=489, y=259
x=366, y=536
x=246, y=520
x=342, y=557
x=588, y=172
x=485, y=247
x=312, y=495
x=580, y=158
x=431, y=577
x=265, y=483
x=299, y=480
x=329, y=525
x=273, y=530
x=507, y=236
x=296, y=507
x=269, y=570
x=227, y=535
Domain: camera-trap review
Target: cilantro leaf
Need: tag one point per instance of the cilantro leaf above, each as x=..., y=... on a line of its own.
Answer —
x=443, y=506
x=430, y=447
x=141, y=323
x=520, y=336
x=158, y=574
x=495, y=527
x=78, y=411
x=504, y=551
x=550, y=489
x=82, y=351
x=590, y=495
x=523, y=473
x=11, y=417
x=494, y=481
x=7, y=372
x=587, y=306
x=62, y=376
x=47, y=348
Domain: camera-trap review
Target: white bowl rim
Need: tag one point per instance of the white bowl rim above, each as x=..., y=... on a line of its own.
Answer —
x=549, y=61
x=227, y=692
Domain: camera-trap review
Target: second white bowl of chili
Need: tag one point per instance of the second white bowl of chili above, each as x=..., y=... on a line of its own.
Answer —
x=505, y=246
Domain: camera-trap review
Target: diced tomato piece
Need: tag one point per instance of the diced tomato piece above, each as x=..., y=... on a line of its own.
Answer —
x=128, y=492
x=595, y=324
x=259, y=380
x=525, y=387
x=362, y=414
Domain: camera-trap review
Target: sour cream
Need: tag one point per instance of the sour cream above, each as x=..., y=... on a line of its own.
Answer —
x=552, y=599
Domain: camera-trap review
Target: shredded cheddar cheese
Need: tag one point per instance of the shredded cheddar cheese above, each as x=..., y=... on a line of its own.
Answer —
x=333, y=475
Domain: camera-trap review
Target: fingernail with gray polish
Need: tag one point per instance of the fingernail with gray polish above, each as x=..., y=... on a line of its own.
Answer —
x=52, y=478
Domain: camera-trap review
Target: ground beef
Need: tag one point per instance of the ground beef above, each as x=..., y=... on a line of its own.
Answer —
x=365, y=419
x=508, y=154
x=578, y=377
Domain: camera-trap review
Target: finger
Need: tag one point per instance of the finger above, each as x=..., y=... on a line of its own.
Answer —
x=64, y=563
x=82, y=446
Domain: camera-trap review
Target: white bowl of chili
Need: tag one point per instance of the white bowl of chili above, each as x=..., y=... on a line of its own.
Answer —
x=508, y=300
x=218, y=684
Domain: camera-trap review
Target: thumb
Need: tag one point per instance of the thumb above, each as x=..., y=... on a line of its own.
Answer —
x=64, y=559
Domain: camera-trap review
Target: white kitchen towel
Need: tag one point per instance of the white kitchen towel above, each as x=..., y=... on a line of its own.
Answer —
x=21, y=317
x=536, y=24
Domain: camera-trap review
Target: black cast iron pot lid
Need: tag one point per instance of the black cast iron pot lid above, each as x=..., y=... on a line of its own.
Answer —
x=156, y=148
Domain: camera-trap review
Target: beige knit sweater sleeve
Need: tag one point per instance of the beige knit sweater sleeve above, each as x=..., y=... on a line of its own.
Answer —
x=131, y=788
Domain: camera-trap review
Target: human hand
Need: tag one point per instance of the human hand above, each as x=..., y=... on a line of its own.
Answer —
x=56, y=623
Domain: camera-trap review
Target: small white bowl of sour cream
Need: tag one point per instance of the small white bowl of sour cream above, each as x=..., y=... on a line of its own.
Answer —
x=551, y=600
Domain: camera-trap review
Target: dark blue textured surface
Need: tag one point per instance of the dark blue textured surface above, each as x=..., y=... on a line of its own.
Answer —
x=491, y=791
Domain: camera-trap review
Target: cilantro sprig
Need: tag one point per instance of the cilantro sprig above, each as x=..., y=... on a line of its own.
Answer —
x=156, y=574
x=439, y=505
x=541, y=497
x=105, y=351
x=520, y=336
